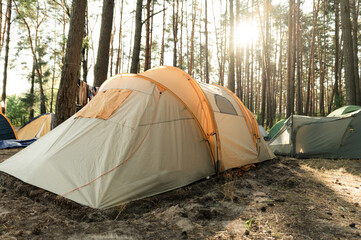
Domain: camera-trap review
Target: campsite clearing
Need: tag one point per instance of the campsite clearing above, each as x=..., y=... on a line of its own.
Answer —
x=280, y=199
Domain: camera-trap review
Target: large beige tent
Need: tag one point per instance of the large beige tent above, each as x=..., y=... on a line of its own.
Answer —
x=143, y=134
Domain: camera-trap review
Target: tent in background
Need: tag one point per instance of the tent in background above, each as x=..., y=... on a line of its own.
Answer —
x=142, y=134
x=326, y=137
x=37, y=127
x=274, y=130
x=262, y=131
x=344, y=110
x=6, y=128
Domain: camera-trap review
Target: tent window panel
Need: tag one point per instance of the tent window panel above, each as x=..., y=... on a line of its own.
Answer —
x=224, y=105
x=104, y=104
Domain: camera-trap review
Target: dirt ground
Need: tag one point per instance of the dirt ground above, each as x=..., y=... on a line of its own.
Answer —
x=280, y=199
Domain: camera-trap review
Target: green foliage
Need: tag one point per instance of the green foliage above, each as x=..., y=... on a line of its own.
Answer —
x=339, y=101
x=248, y=224
x=29, y=100
x=16, y=110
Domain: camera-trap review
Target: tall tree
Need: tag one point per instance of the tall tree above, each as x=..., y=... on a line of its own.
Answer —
x=206, y=43
x=311, y=70
x=8, y=21
x=335, y=92
x=299, y=58
x=231, y=82
x=85, y=49
x=120, y=43
x=239, y=59
x=137, y=37
x=290, y=62
x=147, y=37
x=355, y=49
x=175, y=20
x=161, y=61
x=101, y=66
x=191, y=57
x=65, y=105
x=180, y=55
x=348, y=53
x=32, y=16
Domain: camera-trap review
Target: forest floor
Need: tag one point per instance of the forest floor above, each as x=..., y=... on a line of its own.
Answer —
x=280, y=199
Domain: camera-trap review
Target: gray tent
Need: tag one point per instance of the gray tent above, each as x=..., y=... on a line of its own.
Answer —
x=326, y=137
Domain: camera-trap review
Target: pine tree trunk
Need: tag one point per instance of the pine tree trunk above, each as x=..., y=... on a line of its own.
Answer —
x=32, y=87
x=191, y=59
x=111, y=51
x=175, y=30
x=53, y=82
x=252, y=60
x=147, y=38
x=238, y=57
x=200, y=68
x=180, y=55
x=335, y=93
x=268, y=65
x=290, y=61
x=224, y=46
x=137, y=37
x=6, y=60
x=280, y=73
x=206, y=43
x=65, y=106
x=84, y=52
x=299, y=59
x=355, y=51
x=151, y=35
x=161, y=62
x=101, y=66
x=231, y=83
x=119, y=61
x=348, y=53
x=311, y=70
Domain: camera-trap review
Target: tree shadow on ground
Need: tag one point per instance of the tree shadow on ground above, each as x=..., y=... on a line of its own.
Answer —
x=303, y=206
x=352, y=166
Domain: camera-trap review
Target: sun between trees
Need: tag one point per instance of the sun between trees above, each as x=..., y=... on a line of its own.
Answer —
x=279, y=57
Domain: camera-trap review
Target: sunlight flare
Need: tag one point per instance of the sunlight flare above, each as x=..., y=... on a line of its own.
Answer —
x=246, y=33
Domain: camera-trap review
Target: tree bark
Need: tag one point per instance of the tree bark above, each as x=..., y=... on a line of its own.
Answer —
x=6, y=60
x=280, y=72
x=335, y=93
x=290, y=61
x=180, y=55
x=206, y=46
x=85, y=49
x=191, y=59
x=137, y=37
x=175, y=30
x=147, y=38
x=231, y=82
x=161, y=62
x=355, y=51
x=101, y=66
x=311, y=70
x=299, y=59
x=65, y=106
x=348, y=53
x=118, y=64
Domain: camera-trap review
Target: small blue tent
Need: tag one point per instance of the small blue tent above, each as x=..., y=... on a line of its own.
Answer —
x=6, y=129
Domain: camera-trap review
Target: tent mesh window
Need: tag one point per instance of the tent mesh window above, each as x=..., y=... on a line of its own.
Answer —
x=224, y=105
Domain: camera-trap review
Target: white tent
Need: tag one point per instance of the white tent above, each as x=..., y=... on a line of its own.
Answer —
x=262, y=131
x=143, y=134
